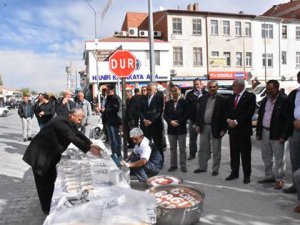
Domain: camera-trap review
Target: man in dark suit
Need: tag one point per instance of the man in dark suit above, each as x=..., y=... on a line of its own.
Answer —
x=151, y=116
x=176, y=115
x=211, y=124
x=293, y=110
x=44, y=151
x=240, y=109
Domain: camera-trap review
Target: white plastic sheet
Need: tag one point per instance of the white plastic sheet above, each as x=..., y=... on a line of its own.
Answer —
x=113, y=205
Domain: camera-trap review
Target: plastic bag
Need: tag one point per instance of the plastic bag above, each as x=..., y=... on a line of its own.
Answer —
x=114, y=205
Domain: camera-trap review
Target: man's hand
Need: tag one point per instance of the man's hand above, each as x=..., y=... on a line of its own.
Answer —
x=95, y=150
x=126, y=164
x=174, y=123
x=147, y=123
x=231, y=123
x=296, y=124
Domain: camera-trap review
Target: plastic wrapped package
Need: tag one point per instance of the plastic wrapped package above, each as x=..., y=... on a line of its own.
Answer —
x=114, y=205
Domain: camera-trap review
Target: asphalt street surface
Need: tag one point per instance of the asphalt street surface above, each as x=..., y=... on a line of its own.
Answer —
x=225, y=203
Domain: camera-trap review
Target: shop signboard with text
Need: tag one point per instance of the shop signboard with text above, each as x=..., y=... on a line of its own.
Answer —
x=227, y=75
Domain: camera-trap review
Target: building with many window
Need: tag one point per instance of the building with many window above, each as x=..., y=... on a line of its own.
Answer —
x=211, y=45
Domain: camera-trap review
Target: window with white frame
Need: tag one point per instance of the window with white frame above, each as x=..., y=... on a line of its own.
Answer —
x=197, y=56
x=197, y=29
x=177, y=26
x=297, y=59
x=238, y=28
x=284, y=32
x=215, y=54
x=227, y=58
x=177, y=56
x=239, y=59
x=267, y=30
x=156, y=58
x=267, y=58
x=248, y=29
x=298, y=33
x=226, y=27
x=283, y=58
x=214, y=27
x=248, y=60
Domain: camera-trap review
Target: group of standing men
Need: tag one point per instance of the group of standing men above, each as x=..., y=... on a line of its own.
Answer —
x=45, y=108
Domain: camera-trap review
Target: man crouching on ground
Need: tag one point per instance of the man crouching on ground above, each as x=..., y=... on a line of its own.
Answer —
x=145, y=160
x=45, y=150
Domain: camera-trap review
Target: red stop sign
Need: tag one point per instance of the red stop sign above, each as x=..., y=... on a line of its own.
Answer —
x=122, y=63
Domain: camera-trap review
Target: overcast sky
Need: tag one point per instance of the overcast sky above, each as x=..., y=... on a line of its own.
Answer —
x=39, y=38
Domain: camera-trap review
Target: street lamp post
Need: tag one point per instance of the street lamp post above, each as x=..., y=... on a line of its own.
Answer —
x=95, y=16
x=151, y=41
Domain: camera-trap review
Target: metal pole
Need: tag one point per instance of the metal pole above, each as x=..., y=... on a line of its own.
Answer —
x=95, y=14
x=151, y=41
x=124, y=121
x=97, y=76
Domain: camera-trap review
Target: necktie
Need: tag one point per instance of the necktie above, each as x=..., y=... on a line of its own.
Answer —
x=236, y=100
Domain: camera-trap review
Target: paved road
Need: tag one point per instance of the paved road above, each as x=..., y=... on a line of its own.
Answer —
x=226, y=202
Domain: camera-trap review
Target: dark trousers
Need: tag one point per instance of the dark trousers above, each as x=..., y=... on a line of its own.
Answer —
x=45, y=187
x=156, y=136
x=240, y=147
x=144, y=172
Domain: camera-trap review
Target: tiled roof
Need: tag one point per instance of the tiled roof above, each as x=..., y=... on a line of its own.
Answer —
x=135, y=19
x=285, y=10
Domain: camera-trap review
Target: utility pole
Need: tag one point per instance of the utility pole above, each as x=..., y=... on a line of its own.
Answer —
x=151, y=41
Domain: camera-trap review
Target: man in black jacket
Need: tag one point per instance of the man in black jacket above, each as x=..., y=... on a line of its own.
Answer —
x=26, y=113
x=192, y=99
x=240, y=109
x=64, y=105
x=293, y=109
x=112, y=112
x=272, y=132
x=44, y=151
x=211, y=124
x=176, y=115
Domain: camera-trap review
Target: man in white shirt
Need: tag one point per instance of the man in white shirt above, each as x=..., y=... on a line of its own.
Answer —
x=145, y=159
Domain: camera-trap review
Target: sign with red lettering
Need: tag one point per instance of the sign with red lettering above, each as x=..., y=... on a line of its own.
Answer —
x=122, y=63
x=227, y=75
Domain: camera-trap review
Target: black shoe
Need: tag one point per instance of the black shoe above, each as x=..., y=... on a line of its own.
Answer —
x=24, y=139
x=266, y=180
x=29, y=139
x=231, y=177
x=191, y=157
x=172, y=168
x=290, y=190
x=215, y=173
x=199, y=171
x=246, y=180
x=183, y=169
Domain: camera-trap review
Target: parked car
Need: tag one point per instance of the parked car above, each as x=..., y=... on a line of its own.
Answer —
x=3, y=110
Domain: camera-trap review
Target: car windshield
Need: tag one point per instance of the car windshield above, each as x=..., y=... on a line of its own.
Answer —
x=258, y=90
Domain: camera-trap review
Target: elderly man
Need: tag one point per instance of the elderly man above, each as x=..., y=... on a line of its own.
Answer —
x=87, y=109
x=145, y=159
x=272, y=132
x=44, y=151
x=211, y=124
x=64, y=105
x=240, y=109
x=151, y=116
